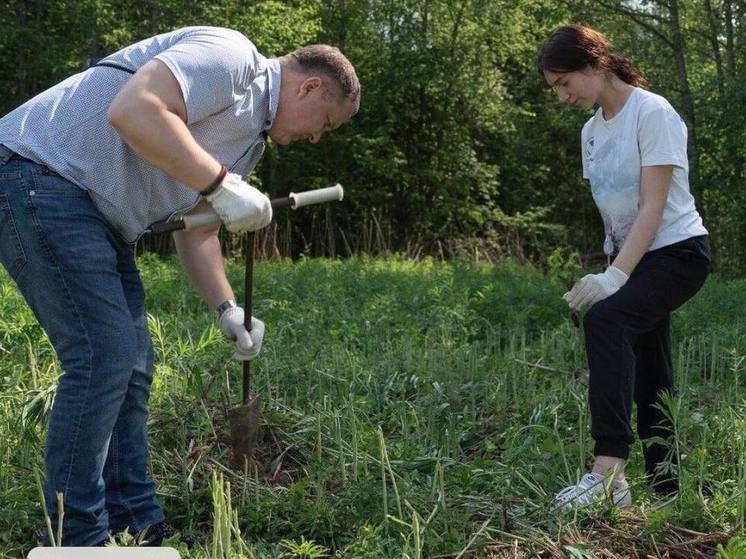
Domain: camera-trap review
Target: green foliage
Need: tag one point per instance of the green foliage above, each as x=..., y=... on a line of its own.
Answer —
x=458, y=137
x=735, y=549
x=437, y=364
x=304, y=549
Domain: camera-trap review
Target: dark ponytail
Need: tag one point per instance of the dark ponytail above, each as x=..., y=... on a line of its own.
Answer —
x=626, y=71
x=575, y=47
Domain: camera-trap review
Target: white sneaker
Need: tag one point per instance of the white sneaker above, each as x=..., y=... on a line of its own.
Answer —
x=591, y=489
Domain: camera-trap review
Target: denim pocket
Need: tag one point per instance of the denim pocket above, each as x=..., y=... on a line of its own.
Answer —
x=48, y=183
x=11, y=249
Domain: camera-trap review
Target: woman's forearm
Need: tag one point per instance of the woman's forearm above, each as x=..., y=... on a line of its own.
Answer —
x=655, y=183
x=639, y=239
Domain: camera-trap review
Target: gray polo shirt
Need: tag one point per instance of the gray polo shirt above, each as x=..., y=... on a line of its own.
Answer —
x=231, y=94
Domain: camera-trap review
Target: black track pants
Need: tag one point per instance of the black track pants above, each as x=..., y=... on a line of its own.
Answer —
x=628, y=342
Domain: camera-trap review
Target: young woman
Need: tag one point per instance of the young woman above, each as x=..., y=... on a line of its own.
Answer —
x=634, y=155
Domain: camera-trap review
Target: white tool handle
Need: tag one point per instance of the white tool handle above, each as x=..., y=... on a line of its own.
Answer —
x=295, y=200
x=202, y=219
x=329, y=194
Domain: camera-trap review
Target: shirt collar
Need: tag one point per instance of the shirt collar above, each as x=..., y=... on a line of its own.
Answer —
x=274, y=77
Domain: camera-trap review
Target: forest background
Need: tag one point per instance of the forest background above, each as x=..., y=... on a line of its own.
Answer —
x=412, y=407
x=460, y=148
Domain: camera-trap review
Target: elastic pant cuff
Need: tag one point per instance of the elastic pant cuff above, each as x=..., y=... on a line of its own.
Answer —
x=614, y=448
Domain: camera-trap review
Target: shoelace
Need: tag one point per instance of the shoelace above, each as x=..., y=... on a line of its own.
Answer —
x=583, y=493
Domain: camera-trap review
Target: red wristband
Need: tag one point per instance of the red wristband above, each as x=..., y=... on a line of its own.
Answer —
x=213, y=186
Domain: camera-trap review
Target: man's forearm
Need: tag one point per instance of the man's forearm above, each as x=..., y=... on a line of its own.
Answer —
x=200, y=255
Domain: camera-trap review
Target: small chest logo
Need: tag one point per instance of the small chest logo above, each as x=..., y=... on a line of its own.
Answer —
x=589, y=147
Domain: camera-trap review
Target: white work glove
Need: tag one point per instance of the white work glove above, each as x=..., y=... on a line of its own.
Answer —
x=592, y=288
x=241, y=207
x=248, y=344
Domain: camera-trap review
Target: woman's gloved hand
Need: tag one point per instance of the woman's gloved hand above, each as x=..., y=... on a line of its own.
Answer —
x=593, y=288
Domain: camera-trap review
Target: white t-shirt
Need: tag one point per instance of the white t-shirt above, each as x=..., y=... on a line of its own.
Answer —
x=646, y=132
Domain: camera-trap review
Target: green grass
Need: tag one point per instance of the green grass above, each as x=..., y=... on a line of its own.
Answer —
x=401, y=417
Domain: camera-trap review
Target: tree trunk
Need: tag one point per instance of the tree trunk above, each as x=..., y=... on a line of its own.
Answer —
x=687, y=100
x=38, y=32
x=93, y=45
x=730, y=50
x=23, y=63
x=715, y=45
x=343, y=28
x=730, y=127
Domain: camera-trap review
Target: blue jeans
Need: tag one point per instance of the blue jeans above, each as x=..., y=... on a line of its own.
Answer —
x=80, y=279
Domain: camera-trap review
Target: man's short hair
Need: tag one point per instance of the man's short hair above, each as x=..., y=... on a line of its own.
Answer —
x=330, y=61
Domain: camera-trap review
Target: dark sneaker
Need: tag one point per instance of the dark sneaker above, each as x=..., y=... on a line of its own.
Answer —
x=154, y=535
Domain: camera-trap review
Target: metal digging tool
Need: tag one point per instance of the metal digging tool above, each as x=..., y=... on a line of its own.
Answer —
x=244, y=419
